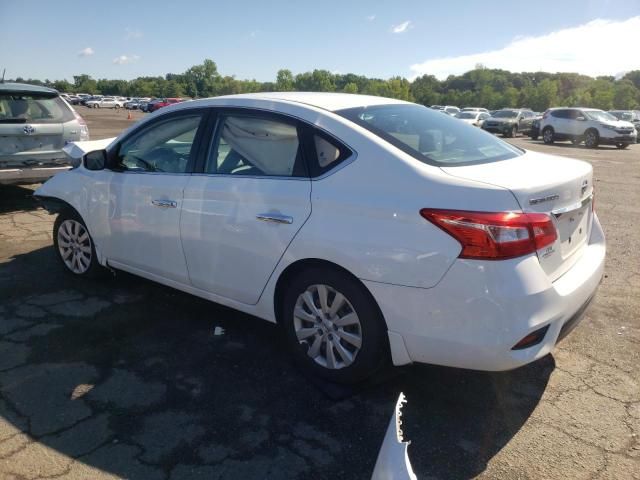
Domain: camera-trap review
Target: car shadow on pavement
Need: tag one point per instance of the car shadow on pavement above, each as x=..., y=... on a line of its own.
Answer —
x=14, y=198
x=127, y=377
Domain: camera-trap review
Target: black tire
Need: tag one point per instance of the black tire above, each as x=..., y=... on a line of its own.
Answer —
x=591, y=138
x=116, y=106
x=373, y=352
x=534, y=136
x=514, y=132
x=90, y=269
x=548, y=135
x=622, y=146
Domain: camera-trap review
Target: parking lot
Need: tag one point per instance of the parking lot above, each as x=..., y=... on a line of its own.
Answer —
x=126, y=378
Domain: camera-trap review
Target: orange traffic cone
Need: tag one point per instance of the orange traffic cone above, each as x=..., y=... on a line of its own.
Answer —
x=129, y=117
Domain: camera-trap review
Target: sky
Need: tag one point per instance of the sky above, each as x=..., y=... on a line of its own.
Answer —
x=254, y=39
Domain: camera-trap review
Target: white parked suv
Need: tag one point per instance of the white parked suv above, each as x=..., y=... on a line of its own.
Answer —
x=106, y=102
x=589, y=125
x=367, y=228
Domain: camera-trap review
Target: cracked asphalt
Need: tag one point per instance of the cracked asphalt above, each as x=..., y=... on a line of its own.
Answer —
x=124, y=378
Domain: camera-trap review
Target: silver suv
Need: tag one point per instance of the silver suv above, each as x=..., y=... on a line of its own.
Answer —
x=589, y=125
x=35, y=124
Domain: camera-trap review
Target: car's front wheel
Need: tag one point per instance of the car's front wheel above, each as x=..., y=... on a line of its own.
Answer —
x=74, y=246
x=333, y=326
x=622, y=146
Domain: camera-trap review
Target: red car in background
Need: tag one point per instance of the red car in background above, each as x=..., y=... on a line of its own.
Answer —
x=163, y=103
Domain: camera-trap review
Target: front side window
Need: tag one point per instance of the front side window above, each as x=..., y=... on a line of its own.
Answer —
x=33, y=108
x=429, y=136
x=256, y=146
x=164, y=147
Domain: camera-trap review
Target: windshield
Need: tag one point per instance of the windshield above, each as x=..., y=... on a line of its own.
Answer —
x=33, y=108
x=429, y=136
x=626, y=116
x=505, y=114
x=467, y=115
x=600, y=116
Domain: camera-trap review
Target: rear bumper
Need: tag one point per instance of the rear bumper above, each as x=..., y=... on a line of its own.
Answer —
x=480, y=310
x=16, y=176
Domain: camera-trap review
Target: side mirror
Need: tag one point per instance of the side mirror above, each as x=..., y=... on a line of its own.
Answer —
x=96, y=160
x=581, y=119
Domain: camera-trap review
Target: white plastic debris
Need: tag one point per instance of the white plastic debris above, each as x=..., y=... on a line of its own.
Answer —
x=218, y=331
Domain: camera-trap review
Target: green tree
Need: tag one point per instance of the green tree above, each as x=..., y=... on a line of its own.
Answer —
x=350, y=87
x=625, y=95
x=284, y=81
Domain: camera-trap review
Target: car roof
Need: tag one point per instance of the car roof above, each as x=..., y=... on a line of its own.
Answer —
x=323, y=100
x=24, y=88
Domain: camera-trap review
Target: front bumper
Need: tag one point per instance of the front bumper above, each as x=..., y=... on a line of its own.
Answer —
x=481, y=309
x=626, y=139
x=502, y=128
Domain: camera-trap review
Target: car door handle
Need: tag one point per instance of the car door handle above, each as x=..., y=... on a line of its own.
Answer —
x=274, y=218
x=164, y=203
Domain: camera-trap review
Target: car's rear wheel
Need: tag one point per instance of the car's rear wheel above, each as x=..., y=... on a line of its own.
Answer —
x=622, y=145
x=116, y=106
x=547, y=135
x=514, y=132
x=591, y=139
x=333, y=326
x=74, y=246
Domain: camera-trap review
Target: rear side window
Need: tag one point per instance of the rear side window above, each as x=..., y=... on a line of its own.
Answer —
x=326, y=153
x=560, y=113
x=256, y=146
x=33, y=108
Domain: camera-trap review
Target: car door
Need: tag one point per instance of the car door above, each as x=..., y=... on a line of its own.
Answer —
x=245, y=206
x=150, y=169
x=525, y=121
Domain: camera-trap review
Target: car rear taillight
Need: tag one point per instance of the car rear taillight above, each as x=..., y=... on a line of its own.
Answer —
x=495, y=236
x=84, y=129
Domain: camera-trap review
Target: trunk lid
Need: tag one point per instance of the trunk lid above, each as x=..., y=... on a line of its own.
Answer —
x=22, y=144
x=560, y=187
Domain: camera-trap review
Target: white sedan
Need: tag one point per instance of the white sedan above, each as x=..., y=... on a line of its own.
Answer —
x=368, y=228
x=106, y=102
x=473, y=118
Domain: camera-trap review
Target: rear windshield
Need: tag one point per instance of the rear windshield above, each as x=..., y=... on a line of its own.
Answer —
x=505, y=114
x=468, y=115
x=429, y=136
x=33, y=108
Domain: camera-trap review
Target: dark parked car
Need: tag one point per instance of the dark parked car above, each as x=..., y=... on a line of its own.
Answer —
x=509, y=122
x=632, y=116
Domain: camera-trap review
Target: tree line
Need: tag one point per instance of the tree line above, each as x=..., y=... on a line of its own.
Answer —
x=482, y=87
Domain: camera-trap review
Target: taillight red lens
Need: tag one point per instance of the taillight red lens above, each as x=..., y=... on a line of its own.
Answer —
x=495, y=236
